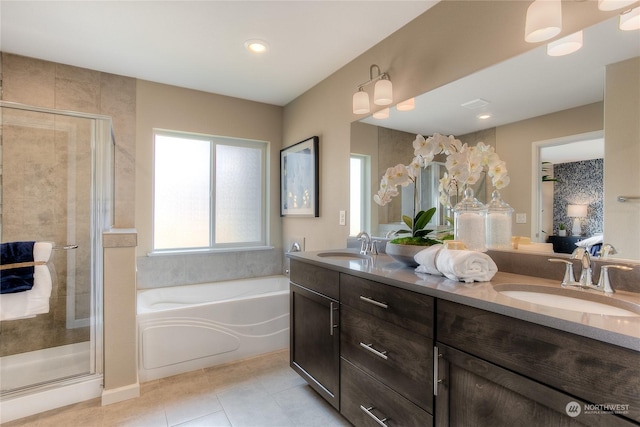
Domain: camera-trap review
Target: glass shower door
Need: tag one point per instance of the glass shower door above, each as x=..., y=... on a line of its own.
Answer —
x=53, y=165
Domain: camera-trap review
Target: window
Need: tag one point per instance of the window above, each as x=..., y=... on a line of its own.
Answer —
x=209, y=192
x=359, y=194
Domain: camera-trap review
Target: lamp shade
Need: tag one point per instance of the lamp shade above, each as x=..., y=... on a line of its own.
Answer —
x=577, y=211
x=382, y=114
x=565, y=45
x=383, y=92
x=630, y=20
x=407, y=105
x=544, y=20
x=360, y=102
x=607, y=5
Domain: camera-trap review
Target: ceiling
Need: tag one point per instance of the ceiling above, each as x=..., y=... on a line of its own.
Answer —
x=200, y=44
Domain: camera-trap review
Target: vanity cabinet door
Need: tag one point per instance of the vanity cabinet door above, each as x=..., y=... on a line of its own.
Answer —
x=315, y=341
x=473, y=392
x=368, y=402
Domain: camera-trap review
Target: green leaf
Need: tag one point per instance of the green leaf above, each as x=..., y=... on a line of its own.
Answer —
x=407, y=220
x=423, y=218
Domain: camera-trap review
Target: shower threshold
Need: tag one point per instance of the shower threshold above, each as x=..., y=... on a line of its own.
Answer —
x=24, y=370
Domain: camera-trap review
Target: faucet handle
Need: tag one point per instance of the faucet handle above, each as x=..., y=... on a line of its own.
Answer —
x=604, y=283
x=374, y=247
x=569, y=278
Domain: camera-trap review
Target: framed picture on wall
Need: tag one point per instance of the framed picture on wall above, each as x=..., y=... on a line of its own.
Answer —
x=299, y=185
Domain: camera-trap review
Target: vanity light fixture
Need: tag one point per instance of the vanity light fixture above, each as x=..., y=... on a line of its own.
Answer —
x=256, y=46
x=543, y=21
x=406, y=105
x=607, y=5
x=630, y=20
x=382, y=92
x=382, y=114
x=576, y=212
x=565, y=45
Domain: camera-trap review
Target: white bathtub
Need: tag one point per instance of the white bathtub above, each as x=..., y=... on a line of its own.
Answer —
x=189, y=327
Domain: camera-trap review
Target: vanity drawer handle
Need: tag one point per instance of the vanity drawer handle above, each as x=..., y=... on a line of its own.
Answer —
x=374, y=302
x=376, y=419
x=380, y=354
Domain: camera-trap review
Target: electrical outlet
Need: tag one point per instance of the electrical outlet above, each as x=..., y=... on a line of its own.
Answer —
x=521, y=218
x=343, y=217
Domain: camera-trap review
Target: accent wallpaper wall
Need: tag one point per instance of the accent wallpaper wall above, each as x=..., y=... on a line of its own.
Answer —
x=579, y=183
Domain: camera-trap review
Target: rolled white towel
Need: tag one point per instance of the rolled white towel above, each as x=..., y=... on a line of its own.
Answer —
x=426, y=260
x=467, y=266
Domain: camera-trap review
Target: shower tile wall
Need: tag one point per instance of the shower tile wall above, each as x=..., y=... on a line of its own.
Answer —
x=579, y=183
x=45, y=84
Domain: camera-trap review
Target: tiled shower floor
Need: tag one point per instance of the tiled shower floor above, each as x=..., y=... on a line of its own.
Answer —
x=263, y=391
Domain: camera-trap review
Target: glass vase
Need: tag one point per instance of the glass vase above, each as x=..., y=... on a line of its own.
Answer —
x=499, y=215
x=469, y=224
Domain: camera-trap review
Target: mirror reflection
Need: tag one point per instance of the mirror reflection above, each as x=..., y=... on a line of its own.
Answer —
x=536, y=105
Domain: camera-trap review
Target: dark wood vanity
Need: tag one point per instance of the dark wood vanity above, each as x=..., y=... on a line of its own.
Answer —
x=383, y=354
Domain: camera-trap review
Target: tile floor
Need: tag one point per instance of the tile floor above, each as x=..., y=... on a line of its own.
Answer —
x=262, y=391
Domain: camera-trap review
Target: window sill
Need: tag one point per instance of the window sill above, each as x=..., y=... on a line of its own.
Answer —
x=209, y=251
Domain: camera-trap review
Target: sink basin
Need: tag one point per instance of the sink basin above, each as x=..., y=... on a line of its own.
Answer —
x=343, y=255
x=570, y=299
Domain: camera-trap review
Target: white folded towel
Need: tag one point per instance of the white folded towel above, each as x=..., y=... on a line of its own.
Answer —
x=426, y=260
x=459, y=265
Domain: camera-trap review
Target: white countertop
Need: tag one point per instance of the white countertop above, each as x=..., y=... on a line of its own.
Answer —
x=617, y=330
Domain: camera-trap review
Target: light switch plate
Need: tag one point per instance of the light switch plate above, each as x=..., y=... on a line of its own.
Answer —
x=343, y=217
x=521, y=218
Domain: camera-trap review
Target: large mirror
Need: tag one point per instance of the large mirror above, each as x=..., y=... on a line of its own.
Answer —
x=537, y=104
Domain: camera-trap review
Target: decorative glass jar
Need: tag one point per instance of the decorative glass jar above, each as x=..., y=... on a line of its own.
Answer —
x=469, y=222
x=499, y=215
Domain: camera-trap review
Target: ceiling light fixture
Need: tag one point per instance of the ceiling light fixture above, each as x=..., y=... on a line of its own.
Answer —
x=256, y=46
x=484, y=116
x=382, y=92
x=382, y=114
x=565, y=45
x=607, y=5
x=544, y=20
x=406, y=105
x=630, y=20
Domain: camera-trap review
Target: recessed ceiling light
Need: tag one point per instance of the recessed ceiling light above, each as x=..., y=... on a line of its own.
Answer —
x=256, y=46
x=484, y=116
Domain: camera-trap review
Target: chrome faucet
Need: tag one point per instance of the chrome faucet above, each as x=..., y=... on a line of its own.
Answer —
x=367, y=247
x=607, y=250
x=586, y=274
x=295, y=247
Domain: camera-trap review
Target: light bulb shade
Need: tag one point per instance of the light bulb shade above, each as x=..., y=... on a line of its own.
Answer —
x=607, y=5
x=407, y=105
x=382, y=114
x=544, y=20
x=630, y=21
x=360, y=102
x=577, y=211
x=383, y=92
x=565, y=45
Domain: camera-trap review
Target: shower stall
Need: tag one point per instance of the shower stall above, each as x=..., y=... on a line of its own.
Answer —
x=56, y=185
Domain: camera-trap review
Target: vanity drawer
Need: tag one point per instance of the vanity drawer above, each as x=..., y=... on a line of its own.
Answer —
x=321, y=280
x=399, y=358
x=589, y=369
x=363, y=395
x=403, y=308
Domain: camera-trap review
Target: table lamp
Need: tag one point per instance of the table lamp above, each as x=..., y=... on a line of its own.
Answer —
x=576, y=212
